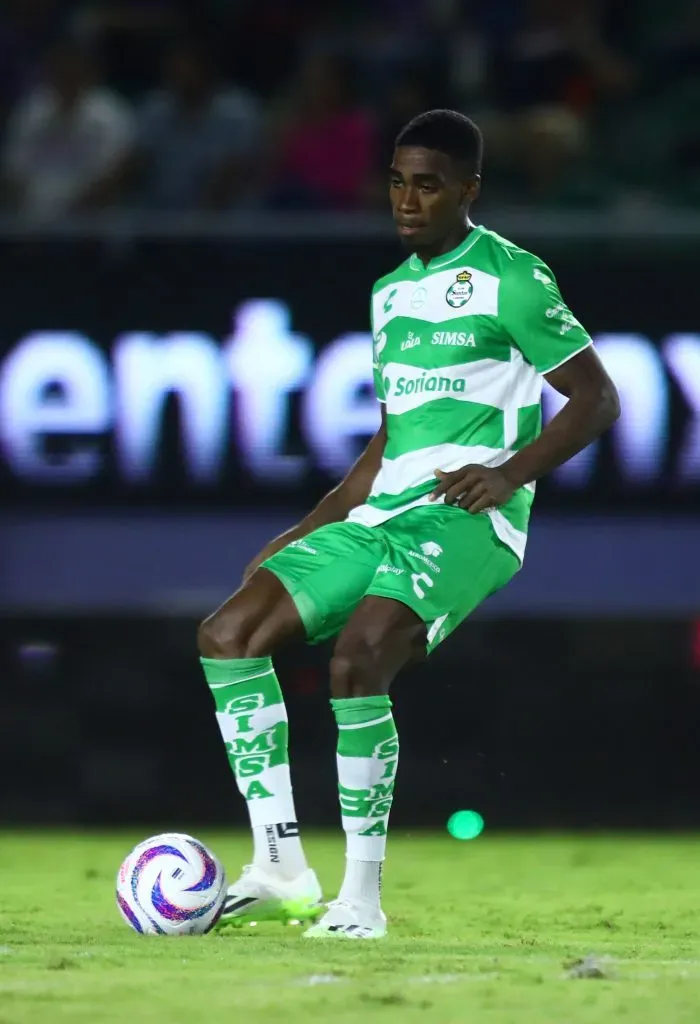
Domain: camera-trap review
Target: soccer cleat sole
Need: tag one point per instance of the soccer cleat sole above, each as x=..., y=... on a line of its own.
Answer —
x=286, y=912
x=347, y=933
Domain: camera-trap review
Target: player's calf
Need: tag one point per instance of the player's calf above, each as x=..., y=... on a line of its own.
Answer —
x=381, y=637
x=236, y=643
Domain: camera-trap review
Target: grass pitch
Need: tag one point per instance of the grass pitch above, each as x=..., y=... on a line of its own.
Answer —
x=482, y=932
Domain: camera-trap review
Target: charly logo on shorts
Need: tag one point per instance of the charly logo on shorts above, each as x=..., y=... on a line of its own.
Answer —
x=419, y=581
x=460, y=291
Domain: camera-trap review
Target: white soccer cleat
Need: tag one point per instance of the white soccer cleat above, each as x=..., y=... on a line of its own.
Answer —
x=346, y=920
x=259, y=896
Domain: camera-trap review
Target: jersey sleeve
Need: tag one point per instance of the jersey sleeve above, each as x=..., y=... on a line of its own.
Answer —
x=535, y=315
x=378, y=342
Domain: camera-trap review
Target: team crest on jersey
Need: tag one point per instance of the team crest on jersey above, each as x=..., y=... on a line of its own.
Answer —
x=460, y=291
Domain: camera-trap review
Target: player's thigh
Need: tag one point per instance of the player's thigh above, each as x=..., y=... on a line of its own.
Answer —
x=380, y=637
x=251, y=623
x=442, y=563
x=327, y=573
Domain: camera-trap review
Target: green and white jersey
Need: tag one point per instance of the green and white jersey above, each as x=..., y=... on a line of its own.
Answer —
x=460, y=347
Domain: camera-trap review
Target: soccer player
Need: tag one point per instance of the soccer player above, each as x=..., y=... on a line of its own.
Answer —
x=429, y=522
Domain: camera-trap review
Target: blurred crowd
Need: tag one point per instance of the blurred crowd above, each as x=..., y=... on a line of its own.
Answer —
x=293, y=104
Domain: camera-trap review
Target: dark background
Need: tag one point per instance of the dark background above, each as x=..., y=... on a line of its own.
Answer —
x=536, y=723
x=572, y=702
x=104, y=288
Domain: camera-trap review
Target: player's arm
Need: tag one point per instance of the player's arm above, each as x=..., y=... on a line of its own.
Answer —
x=593, y=406
x=557, y=345
x=334, y=507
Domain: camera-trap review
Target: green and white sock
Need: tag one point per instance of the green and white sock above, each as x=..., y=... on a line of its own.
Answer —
x=252, y=717
x=368, y=756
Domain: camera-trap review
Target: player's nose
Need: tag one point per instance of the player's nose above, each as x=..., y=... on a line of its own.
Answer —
x=408, y=201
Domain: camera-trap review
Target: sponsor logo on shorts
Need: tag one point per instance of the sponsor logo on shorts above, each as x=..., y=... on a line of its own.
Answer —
x=437, y=631
x=391, y=569
x=422, y=558
x=301, y=545
x=431, y=549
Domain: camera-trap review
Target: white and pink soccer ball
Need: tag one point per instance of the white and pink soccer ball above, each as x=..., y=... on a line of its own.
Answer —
x=171, y=884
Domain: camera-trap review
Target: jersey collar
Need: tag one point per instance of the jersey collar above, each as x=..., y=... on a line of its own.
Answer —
x=472, y=238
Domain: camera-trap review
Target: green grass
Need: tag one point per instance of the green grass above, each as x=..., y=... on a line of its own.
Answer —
x=480, y=932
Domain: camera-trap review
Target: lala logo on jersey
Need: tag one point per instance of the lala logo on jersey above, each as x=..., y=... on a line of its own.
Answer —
x=460, y=291
x=412, y=341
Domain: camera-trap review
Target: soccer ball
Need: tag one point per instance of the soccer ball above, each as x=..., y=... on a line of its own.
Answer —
x=171, y=885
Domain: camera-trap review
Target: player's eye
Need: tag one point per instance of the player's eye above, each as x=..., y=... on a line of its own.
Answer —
x=395, y=182
x=428, y=189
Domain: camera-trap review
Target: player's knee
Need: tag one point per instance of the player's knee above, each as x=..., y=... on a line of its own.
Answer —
x=234, y=631
x=223, y=635
x=356, y=668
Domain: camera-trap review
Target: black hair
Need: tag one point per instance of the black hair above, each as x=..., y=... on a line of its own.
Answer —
x=449, y=132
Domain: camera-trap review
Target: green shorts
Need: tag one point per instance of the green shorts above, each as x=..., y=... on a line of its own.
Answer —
x=439, y=561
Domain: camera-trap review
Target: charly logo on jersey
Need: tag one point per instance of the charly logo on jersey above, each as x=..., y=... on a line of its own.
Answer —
x=460, y=291
x=388, y=304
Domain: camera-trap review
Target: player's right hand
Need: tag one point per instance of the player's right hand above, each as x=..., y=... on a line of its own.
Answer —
x=474, y=488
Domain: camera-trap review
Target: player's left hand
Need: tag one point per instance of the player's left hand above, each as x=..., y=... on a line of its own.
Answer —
x=474, y=488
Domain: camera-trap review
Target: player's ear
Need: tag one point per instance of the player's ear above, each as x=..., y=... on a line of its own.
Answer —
x=472, y=188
